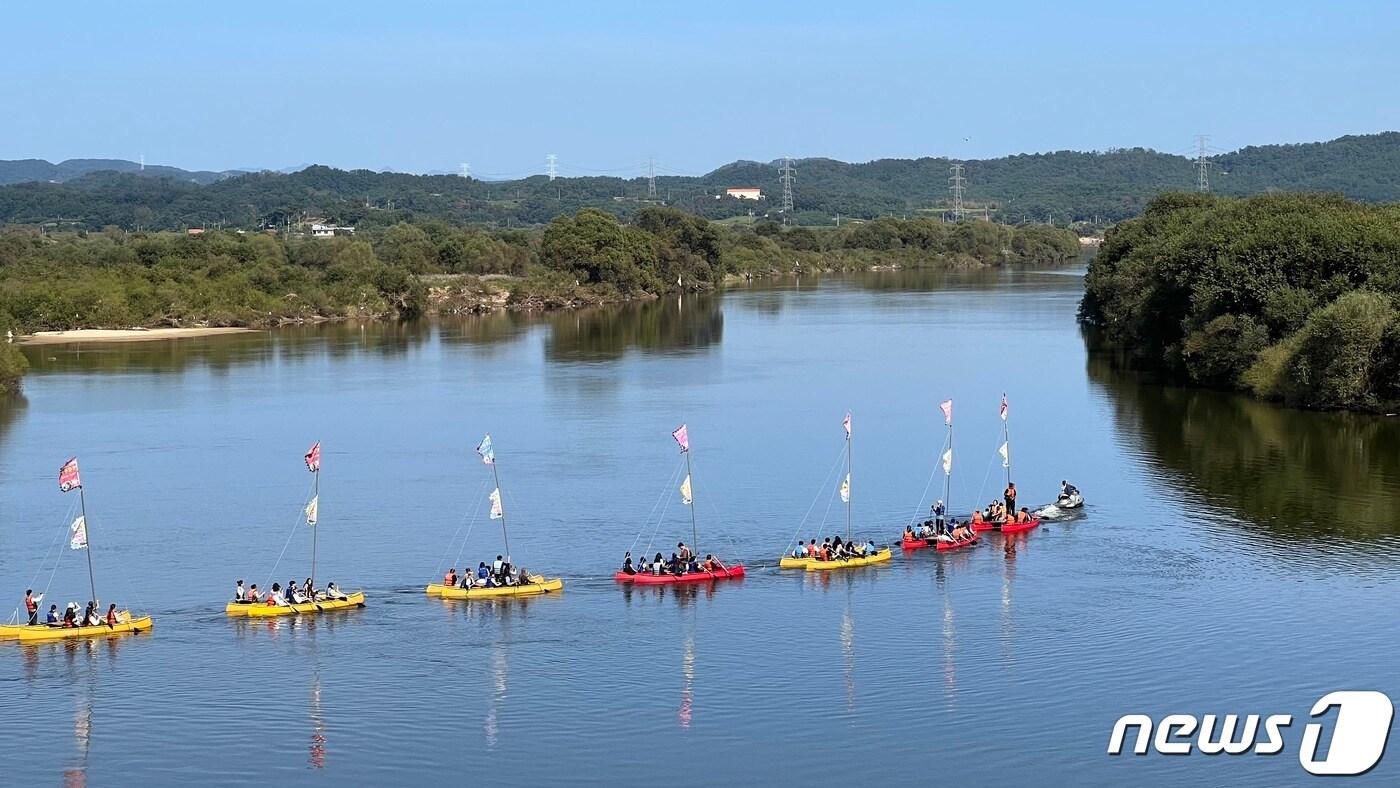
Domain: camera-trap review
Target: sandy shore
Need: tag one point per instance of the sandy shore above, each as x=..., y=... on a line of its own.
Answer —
x=123, y=335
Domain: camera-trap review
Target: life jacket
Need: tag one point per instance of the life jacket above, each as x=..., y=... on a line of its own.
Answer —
x=449, y=579
x=1010, y=493
x=977, y=517
x=30, y=604
x=111, y=618
x=811, y=551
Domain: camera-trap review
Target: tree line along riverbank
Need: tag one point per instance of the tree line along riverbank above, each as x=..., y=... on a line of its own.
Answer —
x=117, y=279
x=1289, y=297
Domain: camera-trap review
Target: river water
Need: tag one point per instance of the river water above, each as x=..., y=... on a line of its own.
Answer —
x=1233, y=557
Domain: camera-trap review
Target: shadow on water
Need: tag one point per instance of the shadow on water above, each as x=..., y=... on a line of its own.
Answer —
x=666, y=325
x=1297, y=473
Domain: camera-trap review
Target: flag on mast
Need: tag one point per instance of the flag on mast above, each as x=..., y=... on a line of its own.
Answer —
x=496, y=511
x=313, y=458
x=487, y=451
x=682, y=437
x=846, y=422
x=685, y=490
x=77, y=539
x=1005, y=455
x=948, y=461
x=1003, y=407
x=846, y=489
x=947, y=407
x=68, y=478
x=311, y=510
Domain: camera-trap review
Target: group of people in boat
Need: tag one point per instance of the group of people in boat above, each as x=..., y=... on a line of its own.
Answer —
x=999, y=514
x=939, y=527
x=70, y=618
x=682, y=562
x=293, y=594
x=500, y=574
x=833, y=549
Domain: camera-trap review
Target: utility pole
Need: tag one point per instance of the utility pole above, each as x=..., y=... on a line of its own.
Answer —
x=551, y=166
x=956, y=183
x=651, y=178
x=787, y=178
x=1202, y=164
x=143, y=162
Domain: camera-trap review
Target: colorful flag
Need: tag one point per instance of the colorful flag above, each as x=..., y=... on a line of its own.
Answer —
x=947, y=408
x=1005, y=455
x=685, y=490
x=682, y=437
x=846, y=422
x=1003, y=407
x=846, y=489
x=68, y=478
x=948, y=461
x=496, y=511
x=313, y=458
x=311, y=510
x=77, y=538
x=487, y=451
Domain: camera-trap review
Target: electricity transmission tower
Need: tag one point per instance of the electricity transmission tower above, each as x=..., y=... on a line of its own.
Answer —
x=1202, y=164
x=551, y=166
x=466, y=170
x=787, y=178
x=956, y=183
x=651, y=178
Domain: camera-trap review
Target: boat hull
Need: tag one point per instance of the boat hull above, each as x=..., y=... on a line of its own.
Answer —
x=944, y=547
x=260, y=610
x=850, y=563
x=913, y=544
x=537, y=585
x=42, y=632
x=640, y=579
x=1006, y=528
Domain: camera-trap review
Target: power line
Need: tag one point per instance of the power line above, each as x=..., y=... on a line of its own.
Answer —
x=551, y=166
x=787, y=178
x=1202, y=164
x=956, y=184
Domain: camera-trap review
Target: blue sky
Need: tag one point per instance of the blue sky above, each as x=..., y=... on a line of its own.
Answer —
x=421, y=86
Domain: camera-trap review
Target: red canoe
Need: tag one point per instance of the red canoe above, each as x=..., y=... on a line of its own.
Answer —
x=647, y=579
x=957, y=545
x=916, y=544
x=1006, y=528
x=919, y=544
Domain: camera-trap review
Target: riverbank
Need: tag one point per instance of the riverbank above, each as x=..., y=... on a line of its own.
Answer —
x=124, y=334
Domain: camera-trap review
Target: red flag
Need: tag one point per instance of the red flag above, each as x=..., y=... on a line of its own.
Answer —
x=68, y=478
x=1003, y=407
x=313, y=458
x=682, y=436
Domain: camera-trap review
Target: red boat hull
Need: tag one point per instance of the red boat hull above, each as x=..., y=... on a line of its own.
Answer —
x=956, y=545
x=1006, y=528
x=919, y=544
x=690, y=577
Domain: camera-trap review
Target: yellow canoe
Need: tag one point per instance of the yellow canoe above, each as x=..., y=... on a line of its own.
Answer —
x=850, y=563
x=42, y=632
x=263, y=610
x=788, y=562
x=537, y=585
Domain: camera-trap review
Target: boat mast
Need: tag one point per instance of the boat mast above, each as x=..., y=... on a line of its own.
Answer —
x=315, y=496
x=948, y=475
x=694, y=532
x=497, y=476
x=848, y=484
x=87, y=534
x=1006, y=439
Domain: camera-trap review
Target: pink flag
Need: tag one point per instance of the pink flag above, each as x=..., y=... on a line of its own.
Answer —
x=947, y=407
x=313, y=458
x=846, y=422
x=1003, y=407
x=682, y=437
x=68, y=478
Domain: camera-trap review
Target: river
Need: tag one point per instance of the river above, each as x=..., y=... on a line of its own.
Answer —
x=1233, y=557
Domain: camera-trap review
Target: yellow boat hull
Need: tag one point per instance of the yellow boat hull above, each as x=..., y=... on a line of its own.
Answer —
x=537, y=585
x=262, y=610
x=788, y=562
x=850, y=563
x=43, y=632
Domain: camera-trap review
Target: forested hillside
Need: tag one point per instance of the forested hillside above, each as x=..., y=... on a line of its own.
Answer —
x=1062, y=186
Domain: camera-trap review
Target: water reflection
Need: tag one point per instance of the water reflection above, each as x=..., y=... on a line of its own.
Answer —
x=500, y=668
x=679, y=323
x=1296, y=473
x=317, y=757
x=687, y=680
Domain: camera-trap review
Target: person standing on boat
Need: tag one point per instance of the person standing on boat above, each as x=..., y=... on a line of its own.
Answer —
x=939, y=513
x=685, y=554
x=31, y=605
x=1010, y=498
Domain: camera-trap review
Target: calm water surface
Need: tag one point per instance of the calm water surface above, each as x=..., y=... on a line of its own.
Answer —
x=1234, y=557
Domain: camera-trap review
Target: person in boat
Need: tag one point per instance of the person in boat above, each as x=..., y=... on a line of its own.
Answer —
x=674, y=566
x=824, y=552
x=977, y=517
x=291, y=594
x=627, y=567
x=52, y=618
x=1023, y=516
x=658, y=565
x=483, y=574
x=450, y=579
x=275, y=599
x=800, y=551
x=909, y=533
x=962, y=532
x=309, y=591
x=870, y=547
x=112, y=615
x=240, y=594
x=838, y=548
x=498, y=566
x=334, y=593
x=686, y=555
x=1067, y=490
x=70, y=616
x=31, y=605
x=1010, y=495
x=90, y=618
x=812, y=549
x=713, y=564
x=940, y=512
x=253, y=595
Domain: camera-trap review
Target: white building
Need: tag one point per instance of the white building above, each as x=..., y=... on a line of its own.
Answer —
x=745, y=193
x=330, y=230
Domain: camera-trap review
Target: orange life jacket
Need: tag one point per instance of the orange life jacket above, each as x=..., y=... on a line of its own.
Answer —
x=977, y=517
x=30, y=604
x=811, y=550
x=449, y=579
x=111, y=618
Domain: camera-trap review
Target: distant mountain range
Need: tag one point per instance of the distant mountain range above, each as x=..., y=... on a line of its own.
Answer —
x=1061, y=186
